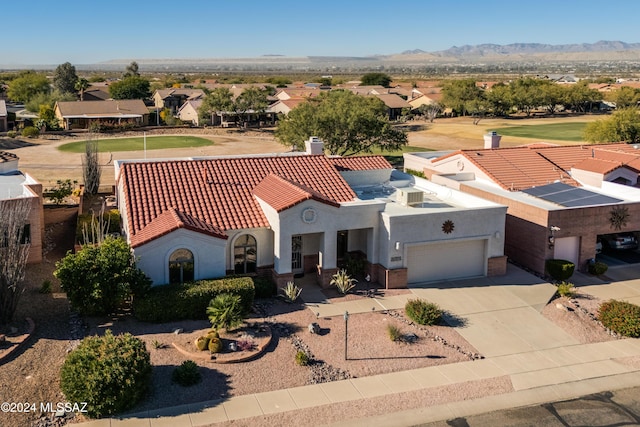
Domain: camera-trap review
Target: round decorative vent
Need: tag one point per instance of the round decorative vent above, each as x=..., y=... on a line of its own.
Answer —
x=448, y=226
x=309, y=216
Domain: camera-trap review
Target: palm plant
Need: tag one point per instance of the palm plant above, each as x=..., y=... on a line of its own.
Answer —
x=225, y=311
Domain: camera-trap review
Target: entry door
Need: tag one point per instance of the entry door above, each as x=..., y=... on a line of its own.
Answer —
x=296, y=254
x=567, y=248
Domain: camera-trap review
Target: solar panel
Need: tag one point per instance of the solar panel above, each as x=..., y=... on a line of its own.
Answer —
x=569, y=196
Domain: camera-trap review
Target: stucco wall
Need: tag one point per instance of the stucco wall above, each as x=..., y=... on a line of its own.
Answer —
x=208, y=253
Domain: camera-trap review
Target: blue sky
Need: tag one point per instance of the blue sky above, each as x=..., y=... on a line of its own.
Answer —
x=86, y=32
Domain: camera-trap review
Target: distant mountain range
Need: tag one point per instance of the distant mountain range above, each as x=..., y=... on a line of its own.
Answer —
x=528, y=49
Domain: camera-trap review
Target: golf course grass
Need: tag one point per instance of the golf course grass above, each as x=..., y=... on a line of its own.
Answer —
x=137, y=144
x=555, y=131
x=395, y=157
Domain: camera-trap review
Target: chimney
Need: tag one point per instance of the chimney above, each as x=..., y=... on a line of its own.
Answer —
x=492, y=140
x=314, y=145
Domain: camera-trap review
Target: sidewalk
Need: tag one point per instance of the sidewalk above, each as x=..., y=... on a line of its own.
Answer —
x=552, y=368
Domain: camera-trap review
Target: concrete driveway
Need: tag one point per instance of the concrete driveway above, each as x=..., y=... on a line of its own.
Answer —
x=499, y=316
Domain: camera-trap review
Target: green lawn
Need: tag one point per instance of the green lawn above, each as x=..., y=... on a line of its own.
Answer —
x=555, y=131
x=137, y=144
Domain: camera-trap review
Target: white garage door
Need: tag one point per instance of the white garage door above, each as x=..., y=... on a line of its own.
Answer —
x=454, y=260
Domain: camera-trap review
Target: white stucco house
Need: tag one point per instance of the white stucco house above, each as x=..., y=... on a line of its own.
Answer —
x=289, y=214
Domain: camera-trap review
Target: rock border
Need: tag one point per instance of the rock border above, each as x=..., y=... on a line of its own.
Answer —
x=234, y=357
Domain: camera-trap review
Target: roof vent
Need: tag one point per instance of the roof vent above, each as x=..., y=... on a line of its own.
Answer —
x=409, y=196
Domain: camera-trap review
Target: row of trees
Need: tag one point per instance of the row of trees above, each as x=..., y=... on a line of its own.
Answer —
x=523, y=95
x=252, y=99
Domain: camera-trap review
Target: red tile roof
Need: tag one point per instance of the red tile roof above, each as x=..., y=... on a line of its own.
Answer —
x=218, y=192
x=360, y=163
x=519, y=168
x=282, y=194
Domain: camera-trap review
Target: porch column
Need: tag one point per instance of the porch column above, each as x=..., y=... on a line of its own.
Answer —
x=282, y=253
x=327, y=258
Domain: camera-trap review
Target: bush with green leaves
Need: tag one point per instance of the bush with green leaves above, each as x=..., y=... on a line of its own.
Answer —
x=111, y=373
x=343, y=282
x=265, y=288
x=423, y=312
x=598, y=268
x=560, y=269
x=187, y=374
x=168, y=303
x=12, y=134
x=301, y=358
x=566, y=289
x=99, y=279
x=61, y=191
x=621, y=317
x=31, y=132
x=225, y=311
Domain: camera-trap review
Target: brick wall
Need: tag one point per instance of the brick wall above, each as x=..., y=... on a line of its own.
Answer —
x=57, y=214
x=497, y=266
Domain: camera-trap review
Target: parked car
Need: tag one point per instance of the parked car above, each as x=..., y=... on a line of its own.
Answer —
x=619, y=241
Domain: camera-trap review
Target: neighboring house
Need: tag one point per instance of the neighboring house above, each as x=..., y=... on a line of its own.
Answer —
x=289, y=214
x=394, y=103
x=4, y=124
x=562, y=199
x=14, y=185
x=96, y=93
x=188, y=113
x=174, y=98
x=285, y=106
x=288, y=93
x=80, y=114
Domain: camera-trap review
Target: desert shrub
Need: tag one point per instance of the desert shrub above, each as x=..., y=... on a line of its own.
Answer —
x=291, y=292
x=187, y=374
x=566, y=289
x=343, y=282
x=621, y=317
x=110, y=373
x=423, y=312
x=560, y=269
x=31, y=132
x=215, y=345
x=174, y=302
x=202, y=343
x=99, y=279
x=61, y=191
x=598, y=268
x=265, y=288
x=301, y=358
x=90, y=225
x=225, y=311
x=158, y=344
x=394, y=332
x=45, y=288
x=12, y=134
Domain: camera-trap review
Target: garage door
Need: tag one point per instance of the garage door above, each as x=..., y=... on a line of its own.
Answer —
x=454, y=260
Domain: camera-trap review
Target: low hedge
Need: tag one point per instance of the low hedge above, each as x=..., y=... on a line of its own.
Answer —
x=621, y=317
x=560, y=269
x=598, y=268
x=169, y=303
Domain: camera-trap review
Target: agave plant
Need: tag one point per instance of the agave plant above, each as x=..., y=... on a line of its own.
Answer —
x=291, y=292
x=343, y=282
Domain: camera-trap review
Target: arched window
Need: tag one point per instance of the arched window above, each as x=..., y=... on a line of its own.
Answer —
x=181, y=266
x=245, y=252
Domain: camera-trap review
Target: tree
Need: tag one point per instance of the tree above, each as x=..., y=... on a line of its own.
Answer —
x=373, y=79
x=526, y=94
x=457, y=94
x=580, y=98
x=347, y=123
x=100, y=278
x=499, y=97
x=220, y=99
x=622, y=126
x=28, y=85
x=65, y=78
x=625, y=97
x=14, y=252
x=251, y=99
x=132, y=70
x=131, y=87
x=81, y=85
x=91, y=170
x=430, y=111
